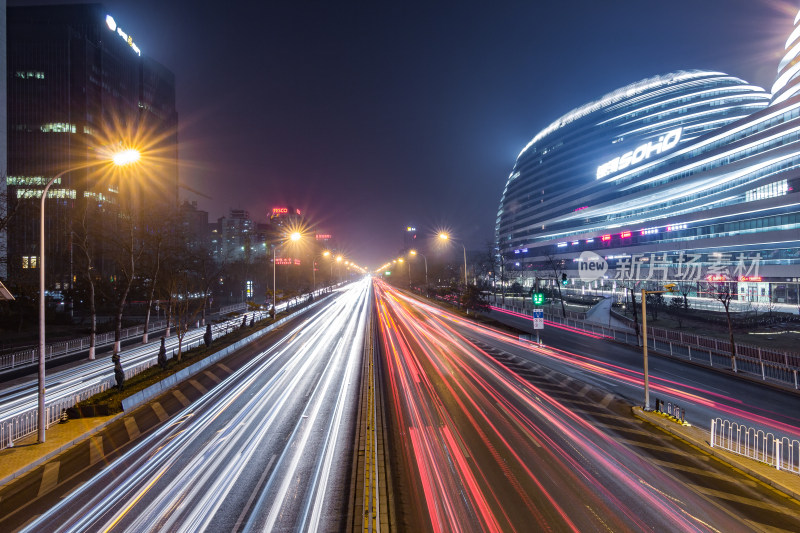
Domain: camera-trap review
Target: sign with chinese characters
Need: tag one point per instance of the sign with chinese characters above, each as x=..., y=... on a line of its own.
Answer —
x=112, y=25
x=538, y=319
x=665, y=142
x=688, y=267
x=286, y=261
x=323, y=236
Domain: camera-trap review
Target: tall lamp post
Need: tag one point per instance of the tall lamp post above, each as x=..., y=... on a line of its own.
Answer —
x=326, y=253
x=121, y=158
x=414, y=252
x=670, y=288
x=294, y=236
x=444, y=236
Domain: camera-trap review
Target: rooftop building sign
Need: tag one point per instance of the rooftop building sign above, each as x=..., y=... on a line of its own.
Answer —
x=112, y=25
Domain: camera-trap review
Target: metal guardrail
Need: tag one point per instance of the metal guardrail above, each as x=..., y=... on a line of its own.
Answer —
x=781, y=452
x=60, y=349
x=27, y=423
x=760, y=363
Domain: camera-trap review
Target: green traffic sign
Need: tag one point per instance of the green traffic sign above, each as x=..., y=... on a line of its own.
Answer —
x=538, y=298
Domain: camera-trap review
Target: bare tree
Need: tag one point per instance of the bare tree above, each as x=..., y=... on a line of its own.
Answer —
x=154, y=239
x=126, y=249
x=558, y=269
x=84, y=241
x=723, y=292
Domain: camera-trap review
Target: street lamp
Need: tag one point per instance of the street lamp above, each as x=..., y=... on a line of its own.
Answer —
x=444, y=237
x=294, y=237
x=121, y=158
x=670, y=288
x=414, y=252
x=326, y=253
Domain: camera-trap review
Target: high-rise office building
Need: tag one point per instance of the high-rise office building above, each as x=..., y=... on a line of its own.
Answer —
x=80, y=86
x=3, y=141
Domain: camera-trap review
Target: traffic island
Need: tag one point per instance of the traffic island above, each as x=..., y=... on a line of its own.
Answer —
x=785, y=482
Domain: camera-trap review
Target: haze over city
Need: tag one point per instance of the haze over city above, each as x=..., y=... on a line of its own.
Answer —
x=373, y=116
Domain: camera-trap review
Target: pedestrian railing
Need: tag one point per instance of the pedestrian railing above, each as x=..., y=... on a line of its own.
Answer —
x=782, y=453
x=60, y=349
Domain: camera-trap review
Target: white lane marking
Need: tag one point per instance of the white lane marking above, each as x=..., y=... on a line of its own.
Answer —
x=253, y=494
x=198, y=386
x=159, y=411
x=131, y=427
x=95, y=449
x=211, y=375
x=49, y=477
x=606, y=400
x=181, y=398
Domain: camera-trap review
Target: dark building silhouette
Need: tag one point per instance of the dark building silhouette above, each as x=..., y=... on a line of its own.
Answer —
x=78, y=90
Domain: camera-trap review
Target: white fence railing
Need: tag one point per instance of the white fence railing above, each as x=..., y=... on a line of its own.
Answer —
x=59, y=349
x=782, y=453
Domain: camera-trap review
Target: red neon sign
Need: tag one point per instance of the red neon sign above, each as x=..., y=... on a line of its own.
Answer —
x=625, y=234
x=716, y=277
x=323, y=236
x=280, y=210
x=605, y=238
x=749, y=278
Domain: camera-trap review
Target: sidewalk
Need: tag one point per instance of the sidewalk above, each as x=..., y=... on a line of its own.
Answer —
x=27, y=454
x=600, y=314
x=784, y=481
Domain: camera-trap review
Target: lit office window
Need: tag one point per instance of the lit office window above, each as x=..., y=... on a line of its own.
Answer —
x=771, y=190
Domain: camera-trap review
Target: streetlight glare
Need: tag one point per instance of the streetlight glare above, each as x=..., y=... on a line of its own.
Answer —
x=339, y=258
x=295, y=236
x=326, y=253
x=444, y=236
x=412, y=252
x=126, y=157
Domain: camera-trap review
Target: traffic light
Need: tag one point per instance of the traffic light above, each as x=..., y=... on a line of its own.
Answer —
x=564, y=280
x=538, y=298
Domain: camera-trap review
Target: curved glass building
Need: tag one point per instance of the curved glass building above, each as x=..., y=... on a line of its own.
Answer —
x=690, y=176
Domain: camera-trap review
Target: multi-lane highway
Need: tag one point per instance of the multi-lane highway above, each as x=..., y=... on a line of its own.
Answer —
x=703, y=392
x=489, y=437
x=268, y=448
x=486, y=433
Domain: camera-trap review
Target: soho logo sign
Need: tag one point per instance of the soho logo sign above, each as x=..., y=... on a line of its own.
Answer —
x=666, y=142
x=591, y=266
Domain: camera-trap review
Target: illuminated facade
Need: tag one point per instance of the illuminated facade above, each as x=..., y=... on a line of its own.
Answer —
x=691, y=176
x=77, y=82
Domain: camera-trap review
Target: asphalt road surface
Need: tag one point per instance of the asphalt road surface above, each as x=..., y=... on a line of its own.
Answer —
x=490, y=437
x=269, y=448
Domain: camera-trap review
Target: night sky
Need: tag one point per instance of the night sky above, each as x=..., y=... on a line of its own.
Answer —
x=373, y=115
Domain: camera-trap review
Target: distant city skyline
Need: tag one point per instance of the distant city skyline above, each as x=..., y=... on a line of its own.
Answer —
x=371, y=116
